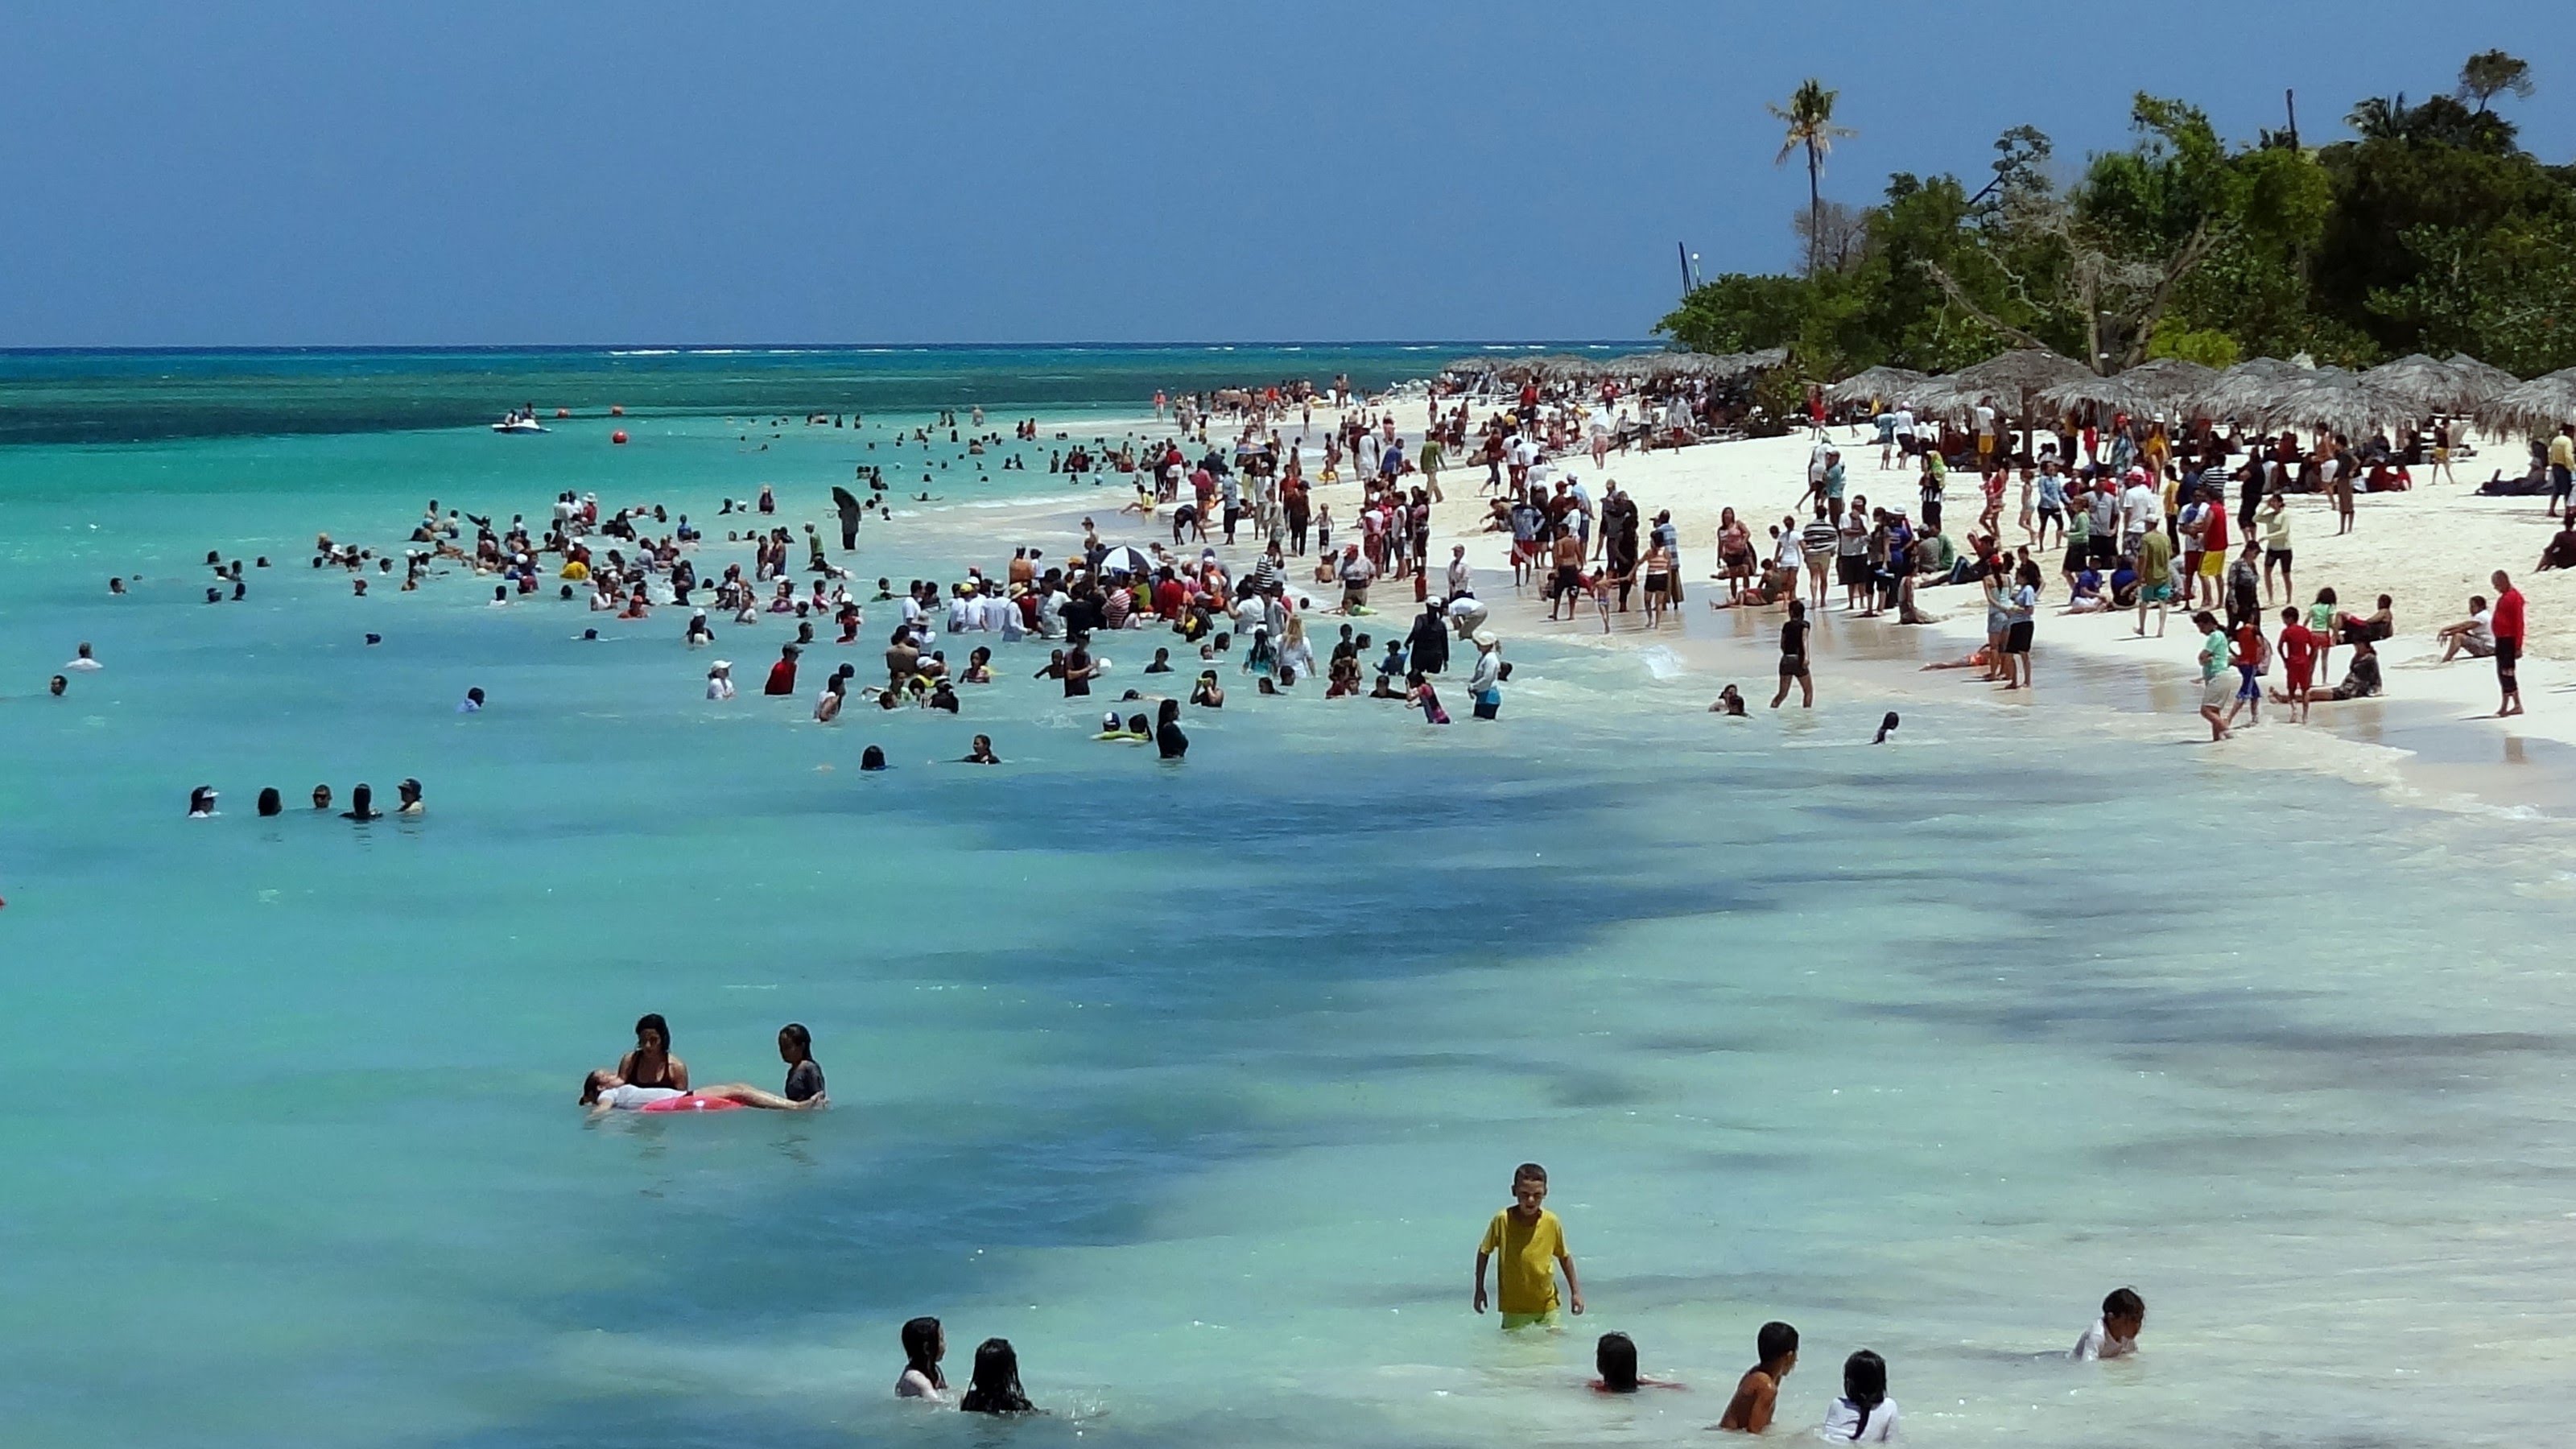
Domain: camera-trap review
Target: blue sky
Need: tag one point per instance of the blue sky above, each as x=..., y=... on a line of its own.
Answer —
x=561, y=173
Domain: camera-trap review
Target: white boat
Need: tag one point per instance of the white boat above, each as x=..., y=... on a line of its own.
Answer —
x=518, y=425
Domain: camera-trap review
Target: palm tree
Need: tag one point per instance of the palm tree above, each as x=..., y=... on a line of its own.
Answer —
x=1810, y=118
x=2491, y=73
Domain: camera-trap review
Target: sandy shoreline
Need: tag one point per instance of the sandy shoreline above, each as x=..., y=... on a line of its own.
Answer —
x=2432, y=737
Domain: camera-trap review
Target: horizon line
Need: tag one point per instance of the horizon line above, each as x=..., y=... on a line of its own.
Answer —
x=735, y=346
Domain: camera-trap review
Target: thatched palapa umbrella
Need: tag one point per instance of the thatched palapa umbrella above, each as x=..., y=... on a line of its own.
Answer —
x=2335, y=400
x=2240, y=393
x=2542, y=405
x=2439, y=387
x=1873, y=382
x=2016, y=379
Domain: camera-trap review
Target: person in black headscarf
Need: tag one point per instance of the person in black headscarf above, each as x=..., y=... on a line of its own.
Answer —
x=1427, y=647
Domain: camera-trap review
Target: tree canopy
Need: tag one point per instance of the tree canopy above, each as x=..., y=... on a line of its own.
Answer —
x=2428, y=229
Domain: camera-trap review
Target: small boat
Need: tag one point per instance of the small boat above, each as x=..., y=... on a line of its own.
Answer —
x=519, y=423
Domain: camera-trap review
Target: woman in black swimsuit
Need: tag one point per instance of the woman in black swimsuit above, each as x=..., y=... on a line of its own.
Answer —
x=651, y=1063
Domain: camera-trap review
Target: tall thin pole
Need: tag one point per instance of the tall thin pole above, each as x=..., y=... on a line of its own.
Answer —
x=2290, y=100
x=1684, y=249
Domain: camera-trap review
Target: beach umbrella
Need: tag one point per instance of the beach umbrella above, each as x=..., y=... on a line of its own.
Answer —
x=2172, y=381
x=1873, y=382
x=2542, y=405
x=2335, y=400
x=2479, y=381
x=2239, y=393
x=2017, y=377
x=1125, y=559
x=844, y=500
x=2440, y=387
x=2122, y=392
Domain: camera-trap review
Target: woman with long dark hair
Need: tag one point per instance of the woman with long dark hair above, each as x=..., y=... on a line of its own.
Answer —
x=924, y=1344
x=996, y=1385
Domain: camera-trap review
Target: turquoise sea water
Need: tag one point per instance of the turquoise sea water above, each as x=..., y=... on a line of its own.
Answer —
x=1198, y=1083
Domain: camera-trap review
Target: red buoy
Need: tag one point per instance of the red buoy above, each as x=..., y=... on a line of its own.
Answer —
x=617, y=437
x=563, y=412
x=616, y=410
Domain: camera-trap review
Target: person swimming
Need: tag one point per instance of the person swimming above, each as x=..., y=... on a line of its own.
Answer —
x=980, y=753
x=362, y=805
x=924, y=1344
x=201, y=802
x=1170, y=742
x=408, y=793
x=1730, y=701
x=2115, y=1333
x=872, y=758
x=804, y=1074
x=321, y=797
x=995, y=1388
x=1864, y=1414
x=651, y=1064
x=1886, y=727
x=1614, y=1358
x=1757, y=1394
x=270, y=803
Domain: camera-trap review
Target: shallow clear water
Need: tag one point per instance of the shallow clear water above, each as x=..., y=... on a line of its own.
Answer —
x=1198, y=1083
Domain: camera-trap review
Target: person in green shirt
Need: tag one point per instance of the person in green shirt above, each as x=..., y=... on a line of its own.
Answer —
x=2217, y=686
x=1430, y=465
x=1531, y=1243
x=2155, y=579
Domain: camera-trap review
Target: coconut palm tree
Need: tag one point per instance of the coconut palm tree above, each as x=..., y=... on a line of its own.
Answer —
x=1810, y=119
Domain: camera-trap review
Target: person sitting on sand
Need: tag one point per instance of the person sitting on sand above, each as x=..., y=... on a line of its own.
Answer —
x=2472, y=634
x=1757, y=1394
x=603, y=1091
x=2360, y=678
x=2560, y=552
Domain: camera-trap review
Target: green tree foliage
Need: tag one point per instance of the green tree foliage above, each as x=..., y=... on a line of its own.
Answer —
x=2430, y=229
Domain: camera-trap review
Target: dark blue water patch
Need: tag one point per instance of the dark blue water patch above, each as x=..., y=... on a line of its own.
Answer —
x=125, y=397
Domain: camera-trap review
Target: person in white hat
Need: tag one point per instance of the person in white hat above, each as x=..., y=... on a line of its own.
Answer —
x=1484, y=683
x=720, y=679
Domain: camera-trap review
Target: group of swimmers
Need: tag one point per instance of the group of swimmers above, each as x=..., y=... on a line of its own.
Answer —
x=649, y=1078
x=1526, y=1242
x=362, y=802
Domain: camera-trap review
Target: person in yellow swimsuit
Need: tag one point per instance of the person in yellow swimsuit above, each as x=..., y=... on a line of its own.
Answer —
x=1531, y=1243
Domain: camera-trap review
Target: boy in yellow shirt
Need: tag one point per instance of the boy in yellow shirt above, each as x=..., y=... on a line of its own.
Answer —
x=1532, y=1244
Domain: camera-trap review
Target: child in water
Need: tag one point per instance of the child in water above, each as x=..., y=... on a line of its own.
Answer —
x=1757, y=1394
x=1614, y=1358
x=2115, y=1333
x=1532, y=1244
x=1864, y=1414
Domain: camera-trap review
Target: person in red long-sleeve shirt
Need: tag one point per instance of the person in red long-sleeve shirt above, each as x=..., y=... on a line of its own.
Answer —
x=2507, y=625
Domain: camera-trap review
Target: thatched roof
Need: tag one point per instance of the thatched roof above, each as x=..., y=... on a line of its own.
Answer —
x=2240, y=393
x=2121, y=392
x=2335, y=400
x=2175, y=380
x=2016, y=377
x=2485, y=378
x=2440, y=387
x=2542, y=405
x=1871, y=383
